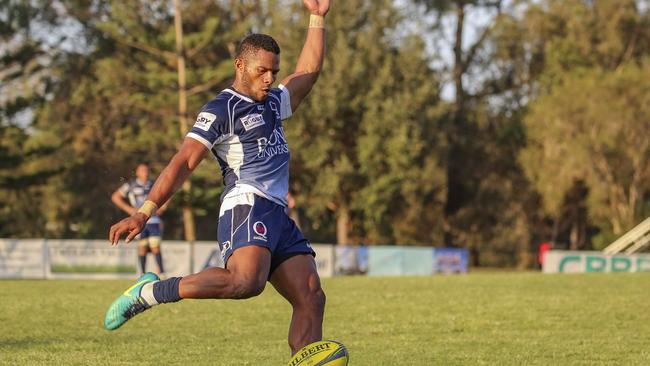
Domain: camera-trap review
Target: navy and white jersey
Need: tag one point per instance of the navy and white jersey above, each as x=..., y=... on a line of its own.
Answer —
x=247, y=139
x=136, y=192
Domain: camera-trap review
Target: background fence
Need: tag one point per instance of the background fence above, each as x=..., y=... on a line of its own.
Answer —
x=96, y=259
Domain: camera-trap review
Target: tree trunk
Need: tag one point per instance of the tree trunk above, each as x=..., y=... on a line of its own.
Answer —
x=342, y=225
x=188, y=216
x=524, y=256
x=455, y=156
x=459, y=64
x=574, y=237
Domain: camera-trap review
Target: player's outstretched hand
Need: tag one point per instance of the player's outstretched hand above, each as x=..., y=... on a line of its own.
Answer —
x=132, y=226
x=317, y=7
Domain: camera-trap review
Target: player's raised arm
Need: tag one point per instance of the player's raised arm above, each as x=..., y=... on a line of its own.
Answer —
x=311, y=57
x=169, y=181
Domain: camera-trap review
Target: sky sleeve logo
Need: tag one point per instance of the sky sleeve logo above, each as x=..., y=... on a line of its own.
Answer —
x=204, y=120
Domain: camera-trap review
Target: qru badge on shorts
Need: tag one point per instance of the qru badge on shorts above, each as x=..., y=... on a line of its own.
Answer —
x=260, y=231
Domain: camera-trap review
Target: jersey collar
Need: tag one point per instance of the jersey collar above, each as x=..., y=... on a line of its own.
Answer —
x=232, y=91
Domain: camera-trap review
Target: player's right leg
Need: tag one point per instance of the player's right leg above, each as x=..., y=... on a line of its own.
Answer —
x=247, y=258
x=246, y=275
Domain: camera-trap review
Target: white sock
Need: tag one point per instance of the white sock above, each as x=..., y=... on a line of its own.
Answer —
x=147, y=294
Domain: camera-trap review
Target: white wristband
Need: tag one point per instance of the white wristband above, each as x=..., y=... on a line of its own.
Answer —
x=316, y=21
x=148, y=208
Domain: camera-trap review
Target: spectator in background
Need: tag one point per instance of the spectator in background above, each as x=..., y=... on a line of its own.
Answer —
x=129, y=197
x=543, y=248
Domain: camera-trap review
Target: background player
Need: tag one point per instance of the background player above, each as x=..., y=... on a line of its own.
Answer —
x=242, y=128
x=136, y=192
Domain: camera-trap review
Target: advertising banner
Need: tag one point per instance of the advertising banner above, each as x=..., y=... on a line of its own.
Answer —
x=96, y=259
x=22, y=258
x=399, y=261
x=90, y=259
x=324, y=259
x=351, y=260
x=417, y=261
x=384, y=261
x=560, y=261
x=206, y=255
x=176, y=258
x=450, y=260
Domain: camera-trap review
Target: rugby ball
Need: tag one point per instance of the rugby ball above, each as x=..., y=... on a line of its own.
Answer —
x=321, y=353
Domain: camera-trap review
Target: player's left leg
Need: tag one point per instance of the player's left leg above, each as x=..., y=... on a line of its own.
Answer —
x=297, y=280
x=154, y=244
x=129, y=303
x=155, y=238
x=143, y=249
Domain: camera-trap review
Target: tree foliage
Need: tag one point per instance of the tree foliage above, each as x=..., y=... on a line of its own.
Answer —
x=589, y=108
x=544, y=137
x=593, y=127
x=25, y=163
x=118, y=101
x=368, y=122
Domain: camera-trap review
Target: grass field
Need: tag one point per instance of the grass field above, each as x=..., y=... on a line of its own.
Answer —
x=475, y=319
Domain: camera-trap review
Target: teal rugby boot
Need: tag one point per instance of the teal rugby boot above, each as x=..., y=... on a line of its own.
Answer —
x=129, y=304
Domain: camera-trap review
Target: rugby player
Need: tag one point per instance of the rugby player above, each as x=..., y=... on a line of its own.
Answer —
x=242, y=129
x=136, y=192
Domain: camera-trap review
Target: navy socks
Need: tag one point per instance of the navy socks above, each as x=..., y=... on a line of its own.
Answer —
x=167, y=290
x=160, y=262
x=143, y=262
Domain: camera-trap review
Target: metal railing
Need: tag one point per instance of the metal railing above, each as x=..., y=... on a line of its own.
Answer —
x=633, y=241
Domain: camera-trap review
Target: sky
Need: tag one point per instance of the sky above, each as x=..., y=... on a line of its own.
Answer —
x=440, y=44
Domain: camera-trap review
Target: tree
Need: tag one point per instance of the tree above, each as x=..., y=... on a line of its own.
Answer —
x=490, y=207
x=26, y=64
x=572, y=222
x=363, y=129
x=552, y=52
x=118, y=100
x=597, y=136
x=461, y=128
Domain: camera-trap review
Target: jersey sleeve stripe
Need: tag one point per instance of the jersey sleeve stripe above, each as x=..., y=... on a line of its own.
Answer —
x=285, y=103
x=232, y=117
x=200, y=139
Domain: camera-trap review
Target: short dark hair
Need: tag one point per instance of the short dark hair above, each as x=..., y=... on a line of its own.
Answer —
x=257, y=41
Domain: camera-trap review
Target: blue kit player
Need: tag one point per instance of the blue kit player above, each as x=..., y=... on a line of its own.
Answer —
x=242, y=129
x=129, y=197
